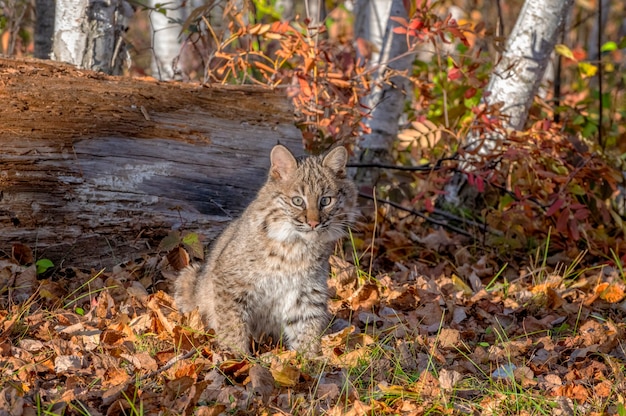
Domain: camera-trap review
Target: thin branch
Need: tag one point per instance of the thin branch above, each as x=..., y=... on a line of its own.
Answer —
x=430, y=219
x=420, y=168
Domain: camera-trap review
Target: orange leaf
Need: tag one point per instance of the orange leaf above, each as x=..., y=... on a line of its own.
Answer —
x=261, y=65
x=611, y=293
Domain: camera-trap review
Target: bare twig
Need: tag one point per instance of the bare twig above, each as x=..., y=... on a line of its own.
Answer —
x=430, y=219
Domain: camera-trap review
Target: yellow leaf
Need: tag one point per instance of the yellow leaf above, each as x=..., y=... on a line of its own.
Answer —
x=285, y=374
x=564, y=51
x=587, y=70
x=461, y=286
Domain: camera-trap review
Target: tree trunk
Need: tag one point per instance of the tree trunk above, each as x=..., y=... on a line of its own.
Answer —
x=44, y=28
x=515, y=80
x=88, y=34
x=96, y=170
x=386, y=101
x=166, y=40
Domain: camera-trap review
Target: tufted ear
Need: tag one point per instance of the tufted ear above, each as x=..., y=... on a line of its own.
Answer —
x=336, y=160
x=283, y=163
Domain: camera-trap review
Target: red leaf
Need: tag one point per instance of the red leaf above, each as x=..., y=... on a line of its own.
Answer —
x=554, y=207
x=428, y=204
x=400, y=20
x=480, y=184
x=581, y=214
x=561, y=222
x=399, y=30
x=454, y=73
x=573, y=229
x=416, y=24
x=470, y=92
x=546, y=125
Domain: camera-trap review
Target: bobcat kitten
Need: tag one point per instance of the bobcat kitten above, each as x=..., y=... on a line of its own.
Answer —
x=266, y=274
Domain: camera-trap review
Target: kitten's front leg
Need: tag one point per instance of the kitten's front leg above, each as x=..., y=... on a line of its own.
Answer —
x=303, y=332
x=229, y=323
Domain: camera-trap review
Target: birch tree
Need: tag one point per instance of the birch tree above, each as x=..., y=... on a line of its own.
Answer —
x=515, y=79
x=389, y=60
x=88, y=34
x=166, y=39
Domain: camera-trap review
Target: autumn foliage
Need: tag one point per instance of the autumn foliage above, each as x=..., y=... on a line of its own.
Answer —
x=512, y=304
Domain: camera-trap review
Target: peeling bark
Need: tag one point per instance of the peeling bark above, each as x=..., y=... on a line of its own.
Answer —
x=88, y=34
x=386, y=100
x=96, y=170
x=514, y=82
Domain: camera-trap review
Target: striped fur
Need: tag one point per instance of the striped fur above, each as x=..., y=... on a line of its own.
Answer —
x=266, y=274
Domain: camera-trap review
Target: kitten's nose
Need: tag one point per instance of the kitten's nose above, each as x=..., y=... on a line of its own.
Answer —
x=313, y=223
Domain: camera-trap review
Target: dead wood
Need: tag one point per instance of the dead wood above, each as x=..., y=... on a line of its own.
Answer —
x=95, y=169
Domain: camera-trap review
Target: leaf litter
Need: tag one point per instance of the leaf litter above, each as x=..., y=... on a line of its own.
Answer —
x=419, y=337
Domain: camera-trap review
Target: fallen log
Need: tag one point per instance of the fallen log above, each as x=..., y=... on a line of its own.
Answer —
x=96, y=170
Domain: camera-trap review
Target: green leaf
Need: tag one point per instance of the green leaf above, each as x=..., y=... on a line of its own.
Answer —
x=609, y=47
x=564, y=51
x=191, y=238
x=577, y=189
x=79, y=311
x=589, y=130
x=43, y=265
x=168, y=243
x=505, y=200
x=193, y=243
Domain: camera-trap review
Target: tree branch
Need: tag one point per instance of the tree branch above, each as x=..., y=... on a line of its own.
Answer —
x=433, y=220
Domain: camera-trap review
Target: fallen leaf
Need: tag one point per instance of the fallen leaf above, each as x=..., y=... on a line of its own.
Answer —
x=285, y=375
x=261, y=382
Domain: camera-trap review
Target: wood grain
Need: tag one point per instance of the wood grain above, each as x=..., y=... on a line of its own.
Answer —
x=95, y=170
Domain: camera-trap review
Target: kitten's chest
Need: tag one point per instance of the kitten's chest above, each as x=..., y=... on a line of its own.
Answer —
x=281, y=295
x=293, y=261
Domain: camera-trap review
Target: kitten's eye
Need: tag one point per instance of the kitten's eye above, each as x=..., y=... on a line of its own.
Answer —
x=325, y=201
x=297, y=201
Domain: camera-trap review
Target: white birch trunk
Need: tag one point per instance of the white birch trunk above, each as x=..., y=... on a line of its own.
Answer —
x=286, y=9
x=389, y=57
x=88, y=34
x=166, y=41
x=516, y=78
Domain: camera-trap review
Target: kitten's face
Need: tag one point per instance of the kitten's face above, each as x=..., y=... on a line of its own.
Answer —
x=313, y=199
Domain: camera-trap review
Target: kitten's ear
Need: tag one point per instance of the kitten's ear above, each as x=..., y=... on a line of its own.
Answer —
x=336, y=160
x=283, y=163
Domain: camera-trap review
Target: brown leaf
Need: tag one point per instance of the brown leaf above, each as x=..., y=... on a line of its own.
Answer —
x=11, y=401
x=112, y=337
x=449, y=379
x=214, y=410
x=327, y=391
x=25, y=284
x=402, y=299
x=22, y=254
x=573, y=391
x=261, y=381
x=114, y=377
x=449, y=338
x=366, y=297
x=178, y=258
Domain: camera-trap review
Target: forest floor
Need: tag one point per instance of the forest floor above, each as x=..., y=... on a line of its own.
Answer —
x=423, y=325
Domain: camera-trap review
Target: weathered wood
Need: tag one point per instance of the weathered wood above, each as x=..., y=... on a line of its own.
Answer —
x=95, y=170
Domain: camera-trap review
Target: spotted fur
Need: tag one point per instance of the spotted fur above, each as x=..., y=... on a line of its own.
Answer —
x=266, y=274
